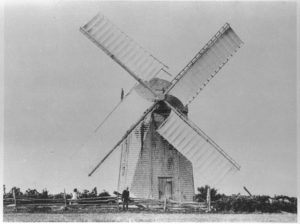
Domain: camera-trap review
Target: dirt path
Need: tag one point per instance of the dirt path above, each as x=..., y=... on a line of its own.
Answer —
x=147, y=217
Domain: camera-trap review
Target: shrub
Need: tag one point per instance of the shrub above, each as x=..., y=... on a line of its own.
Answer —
x=262, y=203
x=104, y=193
x=201, y=196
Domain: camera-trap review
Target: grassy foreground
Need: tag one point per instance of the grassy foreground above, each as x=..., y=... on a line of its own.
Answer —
x=146, y=217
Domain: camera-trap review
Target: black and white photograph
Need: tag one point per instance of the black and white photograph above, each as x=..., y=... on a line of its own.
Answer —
x=149, y=111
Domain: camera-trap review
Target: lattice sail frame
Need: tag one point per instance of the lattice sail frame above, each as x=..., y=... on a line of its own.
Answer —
x=205, y=65
x=121, y=48
x=197, y=147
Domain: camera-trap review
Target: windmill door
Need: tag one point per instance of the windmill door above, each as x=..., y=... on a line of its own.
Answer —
x=165, y=188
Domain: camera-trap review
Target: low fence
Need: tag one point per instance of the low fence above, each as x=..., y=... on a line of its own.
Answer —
x=31, y=200
x=168, y=204
x=107, y=202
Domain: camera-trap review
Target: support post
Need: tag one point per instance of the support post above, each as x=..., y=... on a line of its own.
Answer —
x=208, y=199
x=117, y=203
x=15, y=198
x=65, y=198
x=247, y=191
x=165, y=204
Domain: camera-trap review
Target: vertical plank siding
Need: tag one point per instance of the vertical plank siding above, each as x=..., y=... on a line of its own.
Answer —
x=143, y=178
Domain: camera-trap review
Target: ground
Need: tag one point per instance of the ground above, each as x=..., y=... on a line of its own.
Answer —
x=146, y=217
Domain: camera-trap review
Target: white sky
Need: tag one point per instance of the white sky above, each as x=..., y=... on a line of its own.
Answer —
x=59, y=86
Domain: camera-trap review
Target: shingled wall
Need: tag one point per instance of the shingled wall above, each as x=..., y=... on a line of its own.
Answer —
x=156, y=159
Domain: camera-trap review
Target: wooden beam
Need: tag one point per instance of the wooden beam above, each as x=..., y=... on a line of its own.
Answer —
x=201, y=133
x=135, y=76
x=153, y=107
x=247, y=191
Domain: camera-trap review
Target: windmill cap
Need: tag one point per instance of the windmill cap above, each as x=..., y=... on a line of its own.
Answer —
x=159, y=86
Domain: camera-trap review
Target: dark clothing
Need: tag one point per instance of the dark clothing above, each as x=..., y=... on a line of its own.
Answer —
x=125, y=199
x=125, y=195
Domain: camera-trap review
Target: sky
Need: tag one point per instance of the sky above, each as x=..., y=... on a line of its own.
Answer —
x=58, y=87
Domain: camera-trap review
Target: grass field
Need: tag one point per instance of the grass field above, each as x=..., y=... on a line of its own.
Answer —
x=146, y=217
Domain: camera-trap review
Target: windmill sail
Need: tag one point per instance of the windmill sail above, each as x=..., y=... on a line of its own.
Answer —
x=112, y=131
x=208, y=159
x=131, y=148
x=205, y=65
x=125, y=51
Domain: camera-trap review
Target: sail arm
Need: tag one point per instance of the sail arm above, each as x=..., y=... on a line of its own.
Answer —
x=205, y=65
x=149, y=110
x=132, y=73
x=116, y=107
x=208, y=159
x=196, y=129
x=138, y=62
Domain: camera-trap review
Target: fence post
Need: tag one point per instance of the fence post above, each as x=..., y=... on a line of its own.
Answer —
x=165, y=204
x=117, y=202
x=15, y=198
x=208, y=199
x=65, y=198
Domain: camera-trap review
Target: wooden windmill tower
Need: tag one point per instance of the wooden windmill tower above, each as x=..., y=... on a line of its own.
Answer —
x=162, y=150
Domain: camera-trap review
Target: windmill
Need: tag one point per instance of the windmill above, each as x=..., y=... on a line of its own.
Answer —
x=161, y=149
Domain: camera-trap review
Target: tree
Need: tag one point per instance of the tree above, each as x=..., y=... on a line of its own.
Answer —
x=17, y=190
x=89, y=194
x=201, y=196
x=85, y=194
x=94, y=192
x=31, y=193
x=44, y=193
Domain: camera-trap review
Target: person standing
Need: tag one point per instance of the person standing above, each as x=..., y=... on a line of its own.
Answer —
x=75, y=196
x=125, y=198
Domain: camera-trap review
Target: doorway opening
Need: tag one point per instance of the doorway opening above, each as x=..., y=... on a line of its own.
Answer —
x=165, y=187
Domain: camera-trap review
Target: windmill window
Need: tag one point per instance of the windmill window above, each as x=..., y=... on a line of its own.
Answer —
x=170, y=163
x=123, y=170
